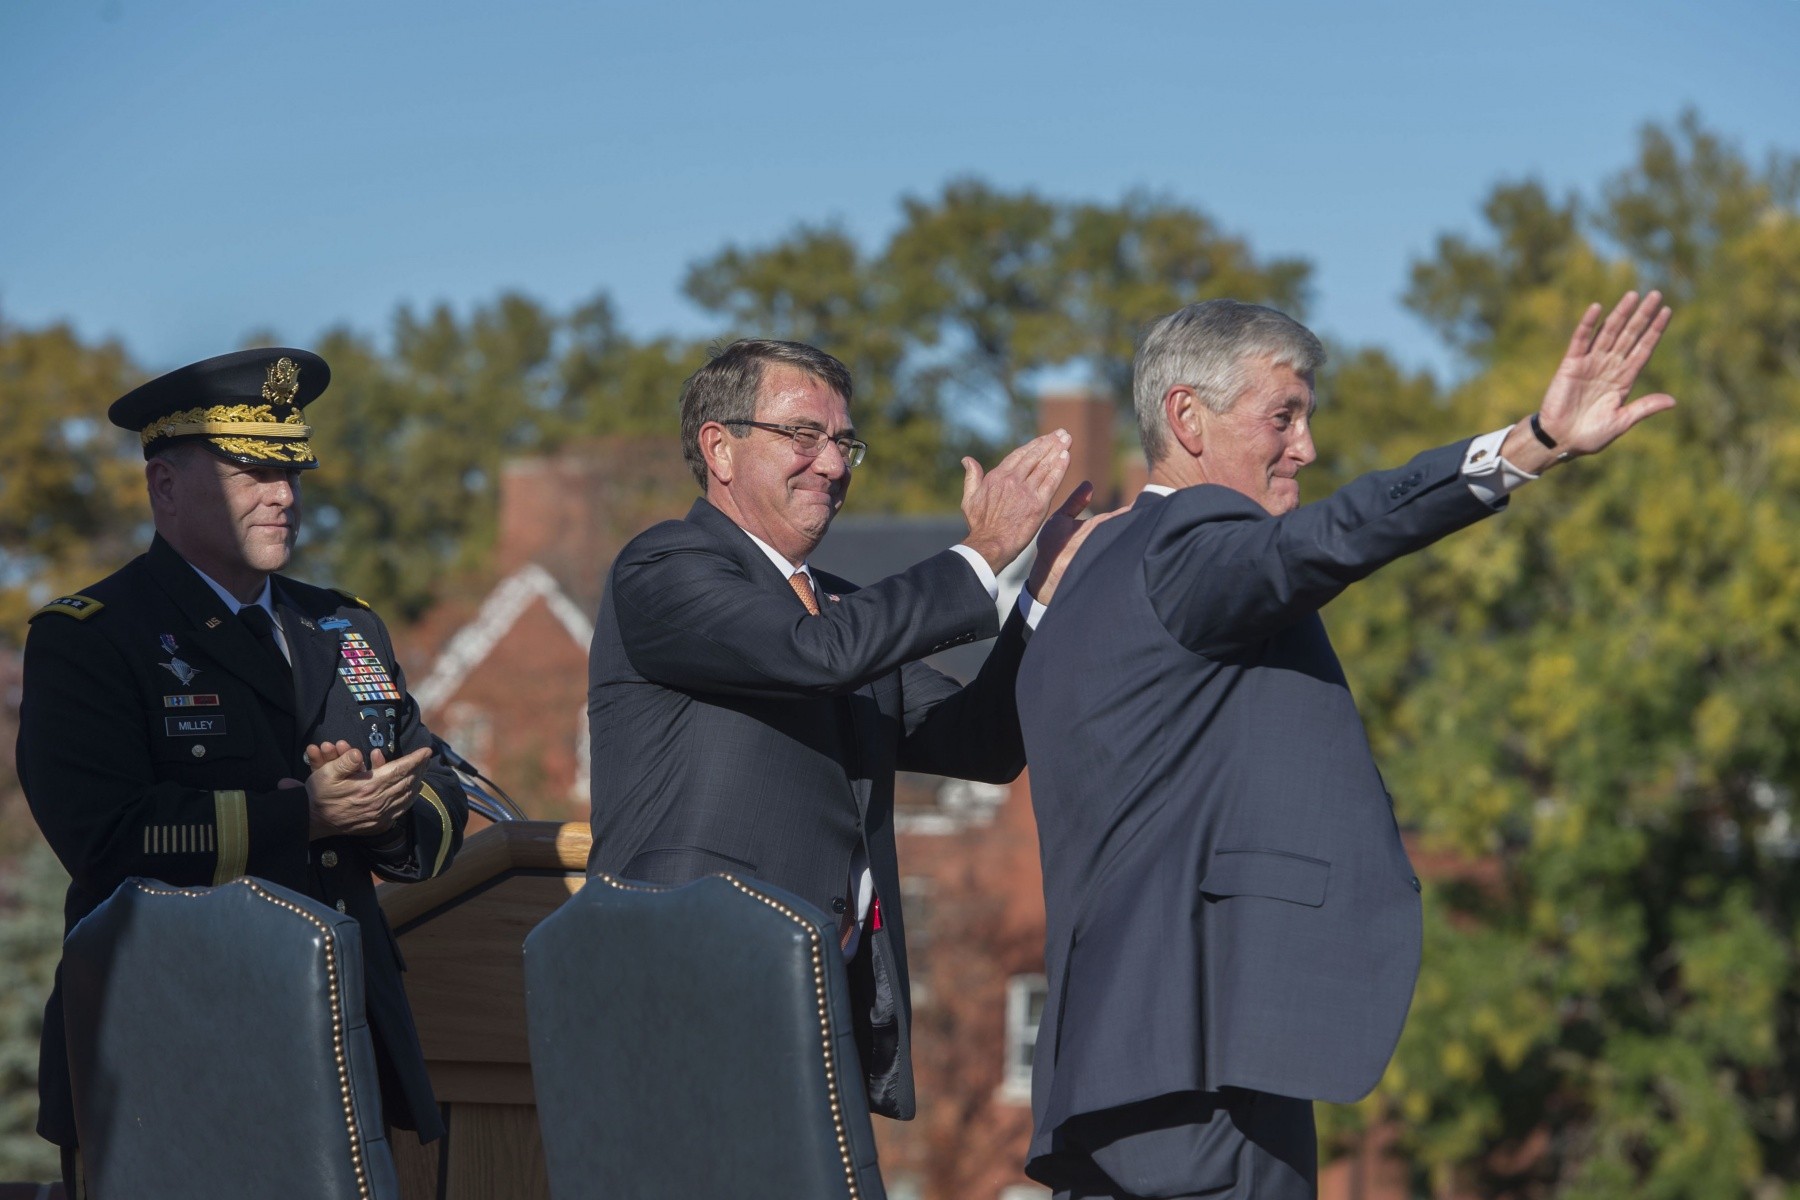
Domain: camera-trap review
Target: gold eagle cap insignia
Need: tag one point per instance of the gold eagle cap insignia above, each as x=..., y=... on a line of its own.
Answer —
x=282, y=383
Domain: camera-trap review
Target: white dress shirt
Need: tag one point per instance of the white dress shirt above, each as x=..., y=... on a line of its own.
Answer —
x=265, y=600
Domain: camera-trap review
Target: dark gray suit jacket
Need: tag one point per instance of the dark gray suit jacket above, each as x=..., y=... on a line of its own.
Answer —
x=731, y=731
x=1229, y=901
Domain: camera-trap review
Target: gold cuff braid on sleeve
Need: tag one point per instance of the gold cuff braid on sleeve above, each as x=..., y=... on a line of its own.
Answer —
x=430, y=796
x=232, y=815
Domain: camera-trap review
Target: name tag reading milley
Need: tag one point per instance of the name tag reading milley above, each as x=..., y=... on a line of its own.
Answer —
x=194, y=726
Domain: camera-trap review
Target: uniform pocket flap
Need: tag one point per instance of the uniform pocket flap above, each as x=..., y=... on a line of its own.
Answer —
x=1276, y=874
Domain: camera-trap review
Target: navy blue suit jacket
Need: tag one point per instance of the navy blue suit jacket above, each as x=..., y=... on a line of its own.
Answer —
x=732, y=732
x=1229, y=903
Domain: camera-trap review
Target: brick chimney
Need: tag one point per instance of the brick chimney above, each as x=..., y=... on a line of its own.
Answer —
x=1090, y=418
x=571, y=512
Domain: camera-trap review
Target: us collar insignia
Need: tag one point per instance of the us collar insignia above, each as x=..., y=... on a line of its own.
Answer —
x=180, y=670
x=167, y=642
x=213, y=622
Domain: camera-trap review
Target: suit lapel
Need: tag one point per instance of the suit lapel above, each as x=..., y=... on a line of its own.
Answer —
x=314, y=653
x=746, y=553
x=859, y=712
x=215, y=631
x=854, y=732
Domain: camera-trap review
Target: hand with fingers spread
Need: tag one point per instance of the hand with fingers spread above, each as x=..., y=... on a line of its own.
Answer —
x=1060, y=538
x=1586, y=407
x=1006, y=506
x=347, y=797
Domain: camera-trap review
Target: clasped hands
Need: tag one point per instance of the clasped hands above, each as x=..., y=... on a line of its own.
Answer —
x=346, y=796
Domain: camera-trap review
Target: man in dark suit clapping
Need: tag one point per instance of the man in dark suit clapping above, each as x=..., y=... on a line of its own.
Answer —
x=1233, y=926
x=748, y=713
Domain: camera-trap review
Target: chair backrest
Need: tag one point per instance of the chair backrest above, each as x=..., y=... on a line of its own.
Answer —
x=218, y=1047
x=695, y=1041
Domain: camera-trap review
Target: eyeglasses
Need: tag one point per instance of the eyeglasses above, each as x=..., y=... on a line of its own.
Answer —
x=810, y=442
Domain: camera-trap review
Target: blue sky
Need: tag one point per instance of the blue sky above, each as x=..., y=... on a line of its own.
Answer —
x=178, y=175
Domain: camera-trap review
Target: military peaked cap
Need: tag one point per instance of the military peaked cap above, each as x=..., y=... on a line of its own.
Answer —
x=244, y=407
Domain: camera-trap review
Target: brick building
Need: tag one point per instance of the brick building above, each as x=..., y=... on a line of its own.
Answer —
x=500, y=667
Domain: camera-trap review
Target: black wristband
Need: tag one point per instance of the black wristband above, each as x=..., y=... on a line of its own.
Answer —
x=1538, y=432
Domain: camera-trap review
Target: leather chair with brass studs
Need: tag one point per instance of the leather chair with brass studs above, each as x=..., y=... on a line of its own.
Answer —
x=218, y=1047
x=695, y=1041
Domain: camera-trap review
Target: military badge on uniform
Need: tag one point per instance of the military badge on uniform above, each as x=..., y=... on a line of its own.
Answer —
x=180, y=670
x=378, y=728
x=167, y=642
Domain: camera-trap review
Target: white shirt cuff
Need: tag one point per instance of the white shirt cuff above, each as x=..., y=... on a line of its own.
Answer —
x=1489, y=476
x=1034, y=612
x=982, y=571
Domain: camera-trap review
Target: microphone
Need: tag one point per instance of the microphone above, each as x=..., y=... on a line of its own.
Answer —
x=495, y=805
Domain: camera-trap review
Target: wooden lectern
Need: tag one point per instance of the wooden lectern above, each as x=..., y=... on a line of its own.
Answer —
x=462, y=935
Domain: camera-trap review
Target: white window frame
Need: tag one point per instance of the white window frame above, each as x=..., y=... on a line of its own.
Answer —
x=1021, y=1036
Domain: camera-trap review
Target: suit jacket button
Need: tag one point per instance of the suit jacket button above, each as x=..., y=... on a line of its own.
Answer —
x=1415, y=883
x=199, y=750
x=837, y=904
x=328, y=859
x=341, y=906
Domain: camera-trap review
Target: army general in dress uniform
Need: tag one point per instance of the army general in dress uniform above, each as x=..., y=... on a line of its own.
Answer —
x=196, y=716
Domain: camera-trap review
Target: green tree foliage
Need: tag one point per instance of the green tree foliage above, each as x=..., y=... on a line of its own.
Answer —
x=71, y=486
x=817, y=286
x=1003, y=285
x=950, y=324
x=1590, y=703
x=411, y=441
x=31, y=924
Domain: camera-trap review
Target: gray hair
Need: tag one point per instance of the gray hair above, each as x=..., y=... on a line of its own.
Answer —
x=725, y=389
x=1207, y=346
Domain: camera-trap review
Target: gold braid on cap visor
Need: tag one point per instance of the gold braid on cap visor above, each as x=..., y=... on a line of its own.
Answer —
x=238, y=429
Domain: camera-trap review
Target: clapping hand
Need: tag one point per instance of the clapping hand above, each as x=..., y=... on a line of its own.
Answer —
x=1006, y=506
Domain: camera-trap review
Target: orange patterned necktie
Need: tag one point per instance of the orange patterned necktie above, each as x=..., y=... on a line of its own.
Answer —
x=803, y=588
